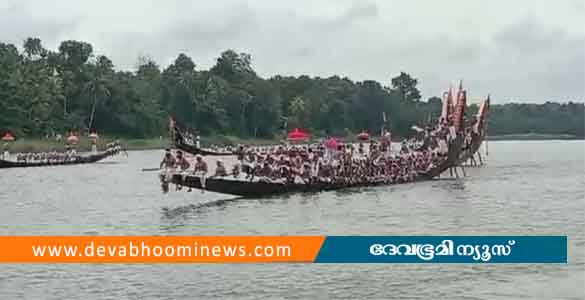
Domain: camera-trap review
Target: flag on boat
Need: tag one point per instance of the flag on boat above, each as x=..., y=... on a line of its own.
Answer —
x=460, y=110
x=459, y=93
x=481, y=115
x=450, y=104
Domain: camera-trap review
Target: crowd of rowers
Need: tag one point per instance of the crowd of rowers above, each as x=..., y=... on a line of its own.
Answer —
x=70, y=155
x=346, y=163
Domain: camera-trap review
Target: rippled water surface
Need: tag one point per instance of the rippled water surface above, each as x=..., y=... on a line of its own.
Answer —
x=535, y=188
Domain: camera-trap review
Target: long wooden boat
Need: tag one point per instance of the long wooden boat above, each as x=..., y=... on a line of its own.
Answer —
x=254, y=189
x=257, y=189
x=182, y=139
x=87, y=159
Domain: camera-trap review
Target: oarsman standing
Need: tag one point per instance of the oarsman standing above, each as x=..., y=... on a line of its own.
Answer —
x=167, y=166
x=5, y=153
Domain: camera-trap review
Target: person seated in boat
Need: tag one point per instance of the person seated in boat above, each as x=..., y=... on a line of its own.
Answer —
x=306, y=172
x=248, y=165
x=236, y=169
x=200, y=166
x=168, y=160
x=265, y=171
x=183, y=165
x=181, y=162
x=200, y=170
x=167, y=169
x=220, y=170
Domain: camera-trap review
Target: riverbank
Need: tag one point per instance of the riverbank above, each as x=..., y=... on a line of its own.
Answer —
x=533, y=137
x=46, y=145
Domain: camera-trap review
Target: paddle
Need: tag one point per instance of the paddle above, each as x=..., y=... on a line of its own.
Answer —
x=150, y=169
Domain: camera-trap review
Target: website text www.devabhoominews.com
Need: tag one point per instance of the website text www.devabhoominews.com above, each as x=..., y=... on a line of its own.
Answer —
x=152, y=249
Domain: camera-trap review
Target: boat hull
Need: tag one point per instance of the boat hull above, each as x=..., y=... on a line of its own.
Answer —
x=4, y=164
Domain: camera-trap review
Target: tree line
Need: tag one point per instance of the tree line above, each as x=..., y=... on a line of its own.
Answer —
x=45, y=92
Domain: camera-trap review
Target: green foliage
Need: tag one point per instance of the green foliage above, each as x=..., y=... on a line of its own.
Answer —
x=44, y=92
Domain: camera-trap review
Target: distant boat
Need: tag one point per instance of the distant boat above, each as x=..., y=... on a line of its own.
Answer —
x=184, y=140
x=87, y=159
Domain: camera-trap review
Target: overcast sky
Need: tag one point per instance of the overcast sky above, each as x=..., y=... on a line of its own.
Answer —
x=521, y=51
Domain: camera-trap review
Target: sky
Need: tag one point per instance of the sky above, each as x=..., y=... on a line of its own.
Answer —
x=516, y=51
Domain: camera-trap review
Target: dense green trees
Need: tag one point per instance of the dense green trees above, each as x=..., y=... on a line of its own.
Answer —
x=44, y=92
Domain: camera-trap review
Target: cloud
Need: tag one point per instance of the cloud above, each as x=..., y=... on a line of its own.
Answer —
x=548, y=64
x=18, y=23
x=495, y=48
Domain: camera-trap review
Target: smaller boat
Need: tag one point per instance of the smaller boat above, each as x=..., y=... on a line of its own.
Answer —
x=183, y=139
x=81, y=159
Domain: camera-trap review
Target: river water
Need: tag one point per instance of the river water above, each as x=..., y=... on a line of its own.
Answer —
x=526, y=188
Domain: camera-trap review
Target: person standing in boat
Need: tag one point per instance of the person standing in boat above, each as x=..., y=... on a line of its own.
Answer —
x=5, y=153
x=201, y=170
x=167, y=166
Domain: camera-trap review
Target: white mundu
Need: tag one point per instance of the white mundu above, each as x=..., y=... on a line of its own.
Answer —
x=443, y=148
x=452, y=133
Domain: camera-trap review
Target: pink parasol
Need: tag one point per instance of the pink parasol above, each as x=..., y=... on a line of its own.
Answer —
x=8, y=137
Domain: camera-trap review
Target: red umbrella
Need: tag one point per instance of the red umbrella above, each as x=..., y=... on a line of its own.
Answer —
x=364, y=136
x=297, y=135
x=8, y=137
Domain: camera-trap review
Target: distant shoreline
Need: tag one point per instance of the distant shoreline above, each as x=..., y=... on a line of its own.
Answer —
x=46, y=145
x=533, y=137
